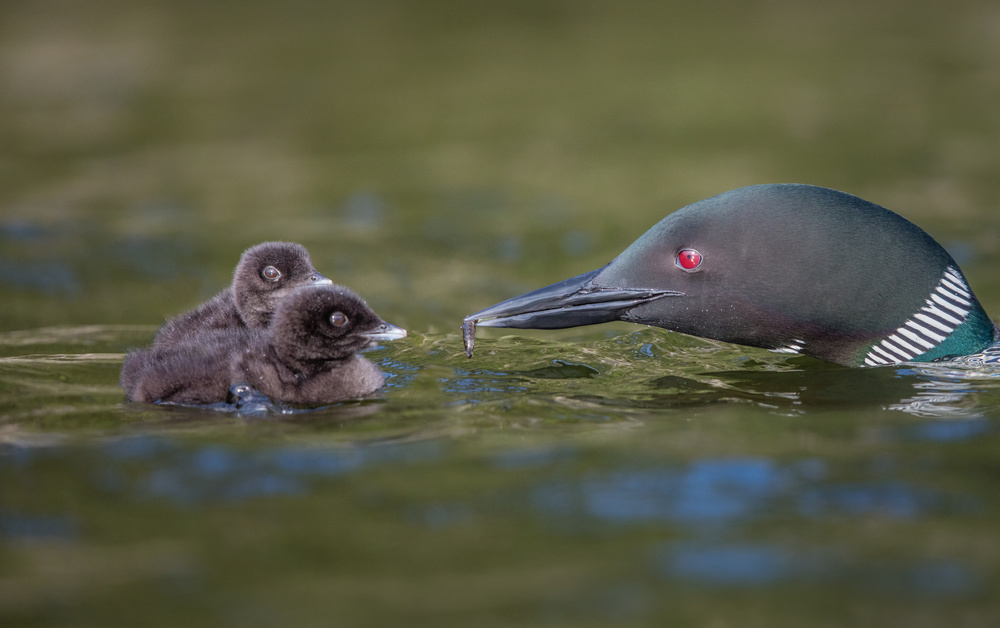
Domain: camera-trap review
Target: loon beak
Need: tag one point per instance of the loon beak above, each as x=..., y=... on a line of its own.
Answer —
x=385, y=331
x=316, y=279
x=569, y=303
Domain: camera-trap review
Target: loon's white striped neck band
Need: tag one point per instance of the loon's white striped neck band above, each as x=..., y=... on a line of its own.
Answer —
x=795, y=346
x=944, y=311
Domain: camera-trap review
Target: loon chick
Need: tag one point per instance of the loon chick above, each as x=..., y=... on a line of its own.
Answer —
x=265, y=273
x=193, y=370
x=308, y=354
x=312, y=351
x=788, y=267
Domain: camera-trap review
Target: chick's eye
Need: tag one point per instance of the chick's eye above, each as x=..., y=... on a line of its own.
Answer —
x=338, y=319
x=271, y=273
x=688, y=259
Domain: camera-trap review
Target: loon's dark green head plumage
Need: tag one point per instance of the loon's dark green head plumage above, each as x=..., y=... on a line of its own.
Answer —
x=787, y=267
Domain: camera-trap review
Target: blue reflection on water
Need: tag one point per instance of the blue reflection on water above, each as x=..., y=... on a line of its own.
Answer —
x=749, y=565
x=894, y=499
x=444, y=515
x=14, y=525
x=188, y=488
x=48, y=277
x=55, y=261
x=721, y=491
x=157, y=257
x=726, y=565
x=708, y=490
x=472, y=384
x=951, y=430
x=135, y=447
x=940, y=578
x=531, y=458
x=714, y=501
x=22, y=231
x=724, y=491
x=156, y=467
x=317, y=461
x=218, y=473
x=704, y=491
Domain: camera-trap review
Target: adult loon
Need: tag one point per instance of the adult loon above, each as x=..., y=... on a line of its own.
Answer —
x=788, y=267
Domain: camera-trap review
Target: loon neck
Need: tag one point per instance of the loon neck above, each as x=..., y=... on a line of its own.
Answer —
x=951, y=322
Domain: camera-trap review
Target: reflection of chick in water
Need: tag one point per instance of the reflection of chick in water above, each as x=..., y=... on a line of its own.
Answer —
x=309, y=354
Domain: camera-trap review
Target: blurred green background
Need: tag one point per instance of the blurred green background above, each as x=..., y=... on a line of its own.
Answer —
x=439, y=156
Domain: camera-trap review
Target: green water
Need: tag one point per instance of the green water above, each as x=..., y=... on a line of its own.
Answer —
x=439, y=157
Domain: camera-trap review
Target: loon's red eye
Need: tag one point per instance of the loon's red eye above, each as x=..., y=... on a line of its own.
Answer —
x=688, y=259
